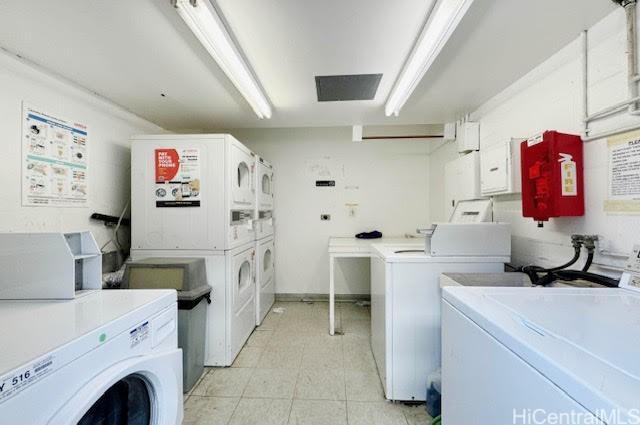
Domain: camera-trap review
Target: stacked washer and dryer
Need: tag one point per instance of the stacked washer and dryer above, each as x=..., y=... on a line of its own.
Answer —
x=265, y=249
x=195, y=196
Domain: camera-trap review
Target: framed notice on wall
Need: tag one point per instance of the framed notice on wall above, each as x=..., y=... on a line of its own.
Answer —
x=177, y=178
x=624, y=174
x=54, y=160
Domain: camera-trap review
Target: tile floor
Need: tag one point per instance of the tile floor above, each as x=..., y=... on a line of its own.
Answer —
x=292, y=372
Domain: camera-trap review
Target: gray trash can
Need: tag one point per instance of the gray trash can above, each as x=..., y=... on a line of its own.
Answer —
x=188, y=277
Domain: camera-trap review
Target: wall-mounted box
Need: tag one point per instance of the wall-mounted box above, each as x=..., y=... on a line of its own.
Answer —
x=48, y=265
x=449, y=133
x=461, y=180
x=468, y=136
x=500, y=168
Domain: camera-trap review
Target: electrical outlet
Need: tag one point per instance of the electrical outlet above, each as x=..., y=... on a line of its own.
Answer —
x=325, y=217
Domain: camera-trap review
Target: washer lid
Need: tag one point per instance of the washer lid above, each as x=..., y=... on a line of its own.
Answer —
x=586, y=340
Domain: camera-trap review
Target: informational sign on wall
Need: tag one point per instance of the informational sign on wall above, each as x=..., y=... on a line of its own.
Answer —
x=177, y=175
x=624, y=174
x=54, y=160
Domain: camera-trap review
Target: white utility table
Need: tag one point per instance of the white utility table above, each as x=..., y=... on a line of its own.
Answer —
x=341, y=247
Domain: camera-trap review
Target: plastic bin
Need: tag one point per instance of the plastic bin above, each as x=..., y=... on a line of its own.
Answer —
x=188, y=277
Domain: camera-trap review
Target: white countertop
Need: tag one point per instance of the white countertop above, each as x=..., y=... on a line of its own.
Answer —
x=351, y=244
x=31, y=329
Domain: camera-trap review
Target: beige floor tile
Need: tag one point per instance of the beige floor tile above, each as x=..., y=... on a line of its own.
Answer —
x=352, y=311
x=363, y=386
x=323, y=357
x=270, y=322
x=323, y=339
x=318, y=412
x=271, y=383
x=375, y=413
x=227, y=382
x=281, y=357
x=259, y=338
x=416, y=415
x=283, y=338
x=359, y=360
x=356, y=327
x=208, y=410
x=261, y=412
x=320, y=384
x=248, y=357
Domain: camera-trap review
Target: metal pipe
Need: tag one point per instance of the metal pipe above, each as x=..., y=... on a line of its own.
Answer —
x=585, y=81
x=611, y=132
x=611, y=109
x=632, y=63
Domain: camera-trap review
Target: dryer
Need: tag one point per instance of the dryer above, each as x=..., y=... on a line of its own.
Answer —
x=231, y=316
x=191, y=192
x=108, y=353
x=265, y=278
x=263, y=224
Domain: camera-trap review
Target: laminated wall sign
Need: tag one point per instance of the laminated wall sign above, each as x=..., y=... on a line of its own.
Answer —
x=54, y=160
x=177, y=177
x=624, y=174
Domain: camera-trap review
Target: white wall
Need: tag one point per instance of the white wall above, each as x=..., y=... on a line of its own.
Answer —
x=109, y=129
x=550, y=98
x=387, y=179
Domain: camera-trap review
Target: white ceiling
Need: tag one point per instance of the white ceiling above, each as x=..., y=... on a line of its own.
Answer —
x=131, y=51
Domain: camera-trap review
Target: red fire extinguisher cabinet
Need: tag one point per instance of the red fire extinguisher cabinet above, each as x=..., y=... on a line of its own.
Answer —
x=552, y=176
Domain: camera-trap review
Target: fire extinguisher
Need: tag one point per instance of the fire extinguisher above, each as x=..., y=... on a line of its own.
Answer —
x=552, y=176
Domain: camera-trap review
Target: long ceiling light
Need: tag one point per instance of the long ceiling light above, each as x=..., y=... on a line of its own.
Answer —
x=443, y=20
x=206, y=25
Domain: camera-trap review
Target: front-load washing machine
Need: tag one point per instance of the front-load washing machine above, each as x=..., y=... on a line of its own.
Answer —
x=231, y=316
x=265, y=278
x=192, y=191
x=106, y=357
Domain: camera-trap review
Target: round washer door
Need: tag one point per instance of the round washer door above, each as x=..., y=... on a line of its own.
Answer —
x=139, y=391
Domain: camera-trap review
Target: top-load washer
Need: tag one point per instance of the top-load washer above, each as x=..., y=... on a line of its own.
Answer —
x=264, y=199
x=191, y=192
x=539, y=355
x=108, y=354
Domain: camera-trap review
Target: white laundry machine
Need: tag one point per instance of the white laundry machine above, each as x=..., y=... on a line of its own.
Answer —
x=405, y=312
x=106, y=354
x=263, y=224
x=191, y=192
x=265, y=277
x=231, y=316
x=529, y=355
x=405, y=293
x=194, y=196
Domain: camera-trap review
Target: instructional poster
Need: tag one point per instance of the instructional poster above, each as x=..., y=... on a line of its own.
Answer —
x=177, y=175
x=624, y=174
x=54, y=159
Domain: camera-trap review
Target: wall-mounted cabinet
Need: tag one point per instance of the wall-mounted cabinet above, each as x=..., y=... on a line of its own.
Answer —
x=468, y=136
x=500, y=169
x=461, y=180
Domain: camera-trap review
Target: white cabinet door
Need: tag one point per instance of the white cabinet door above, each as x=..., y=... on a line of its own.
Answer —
x=461, y=180
x=500, y=168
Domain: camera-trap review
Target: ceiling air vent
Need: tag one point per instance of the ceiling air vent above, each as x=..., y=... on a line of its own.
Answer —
x=336, y=88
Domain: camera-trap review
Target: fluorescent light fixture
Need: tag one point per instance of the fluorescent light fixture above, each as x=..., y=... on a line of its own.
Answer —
x=206, y=25
x=442, y=21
